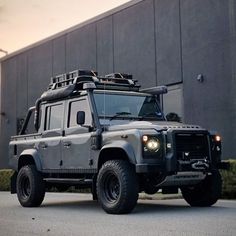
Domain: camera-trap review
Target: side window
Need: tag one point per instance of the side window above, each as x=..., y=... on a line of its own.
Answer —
x=75, y=106
x=54, y=117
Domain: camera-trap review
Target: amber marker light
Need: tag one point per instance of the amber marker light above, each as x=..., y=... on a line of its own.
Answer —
x=217, y=138
x=145, y=138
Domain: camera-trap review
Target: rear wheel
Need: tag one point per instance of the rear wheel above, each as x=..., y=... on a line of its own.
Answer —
x=30, y=187
x=117, y=187
x=206, y=193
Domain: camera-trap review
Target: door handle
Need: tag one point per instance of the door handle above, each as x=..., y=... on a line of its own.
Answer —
x=43, y=145
x=67, y=144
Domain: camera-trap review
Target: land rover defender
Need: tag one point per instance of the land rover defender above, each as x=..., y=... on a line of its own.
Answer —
x=107, y=134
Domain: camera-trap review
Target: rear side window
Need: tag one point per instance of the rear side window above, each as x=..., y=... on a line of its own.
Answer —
x=54, y=117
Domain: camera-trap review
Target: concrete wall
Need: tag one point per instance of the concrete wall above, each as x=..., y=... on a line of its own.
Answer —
x=208, y=48
x=159, y=41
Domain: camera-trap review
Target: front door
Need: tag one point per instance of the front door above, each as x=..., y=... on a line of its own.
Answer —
x=76, y=144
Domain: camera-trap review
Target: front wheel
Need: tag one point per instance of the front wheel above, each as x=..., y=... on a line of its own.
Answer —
x=30, y=187
x=206, y=193
x=117, y=187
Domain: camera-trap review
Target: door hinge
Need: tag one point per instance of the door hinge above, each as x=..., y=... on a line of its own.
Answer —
x=61, y=163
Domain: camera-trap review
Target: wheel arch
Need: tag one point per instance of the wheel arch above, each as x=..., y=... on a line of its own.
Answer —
x=118, y=150
x=29, y=157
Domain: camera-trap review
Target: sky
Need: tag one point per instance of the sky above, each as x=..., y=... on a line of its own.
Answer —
x=23, y=22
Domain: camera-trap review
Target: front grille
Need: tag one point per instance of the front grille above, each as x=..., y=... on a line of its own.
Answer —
x=191, y=146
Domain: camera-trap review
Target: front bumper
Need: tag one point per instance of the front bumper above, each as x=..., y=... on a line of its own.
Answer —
x=184, y=150
x=149, y=168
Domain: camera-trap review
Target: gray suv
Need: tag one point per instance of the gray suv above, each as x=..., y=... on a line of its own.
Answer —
x=107, y=134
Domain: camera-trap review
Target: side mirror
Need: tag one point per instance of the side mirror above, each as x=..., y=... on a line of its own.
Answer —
x=80, y=119
x=173, y=117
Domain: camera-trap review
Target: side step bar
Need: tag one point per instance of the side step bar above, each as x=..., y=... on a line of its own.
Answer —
x=68, y=181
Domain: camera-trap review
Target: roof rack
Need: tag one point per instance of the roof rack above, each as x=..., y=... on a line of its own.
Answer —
x=63, y=80
x=79, y=77
x=65, y=85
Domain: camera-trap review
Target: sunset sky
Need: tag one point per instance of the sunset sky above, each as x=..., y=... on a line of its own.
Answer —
x=23, y=22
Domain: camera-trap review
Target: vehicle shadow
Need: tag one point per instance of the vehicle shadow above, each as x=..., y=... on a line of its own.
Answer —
x=143, y=207
x=82, y=204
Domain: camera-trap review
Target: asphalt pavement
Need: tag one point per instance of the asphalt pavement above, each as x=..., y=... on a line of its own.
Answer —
x=76, y=214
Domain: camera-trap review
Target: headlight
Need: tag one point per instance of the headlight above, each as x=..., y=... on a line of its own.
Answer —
x=151, y=144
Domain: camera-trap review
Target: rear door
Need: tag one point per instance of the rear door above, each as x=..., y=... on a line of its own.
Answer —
x=50, y=143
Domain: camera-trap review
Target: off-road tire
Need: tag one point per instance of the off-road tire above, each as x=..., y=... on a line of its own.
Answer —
x=30, y=187
x=206, y=193
x=117, y=187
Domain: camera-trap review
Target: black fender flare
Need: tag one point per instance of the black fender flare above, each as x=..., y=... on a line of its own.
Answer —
x=31, y=153
x=123, y=145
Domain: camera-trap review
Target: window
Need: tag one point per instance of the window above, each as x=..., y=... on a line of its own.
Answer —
x=54, y=117
x=124, y=106
x=79, y=105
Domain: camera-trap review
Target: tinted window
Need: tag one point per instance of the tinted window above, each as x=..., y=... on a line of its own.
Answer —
x=54, y=116
x=76, y=106
x=127, y=106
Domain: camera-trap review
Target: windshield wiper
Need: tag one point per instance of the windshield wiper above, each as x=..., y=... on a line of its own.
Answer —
x=120, y=114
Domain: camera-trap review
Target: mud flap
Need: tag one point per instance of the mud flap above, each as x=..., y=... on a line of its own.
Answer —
x=13, y=183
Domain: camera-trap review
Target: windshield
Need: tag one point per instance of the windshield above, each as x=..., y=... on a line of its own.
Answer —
x=123, y=106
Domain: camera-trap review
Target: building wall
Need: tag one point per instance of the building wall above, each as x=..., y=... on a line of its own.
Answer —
x=208, y=48
x=160, y=42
